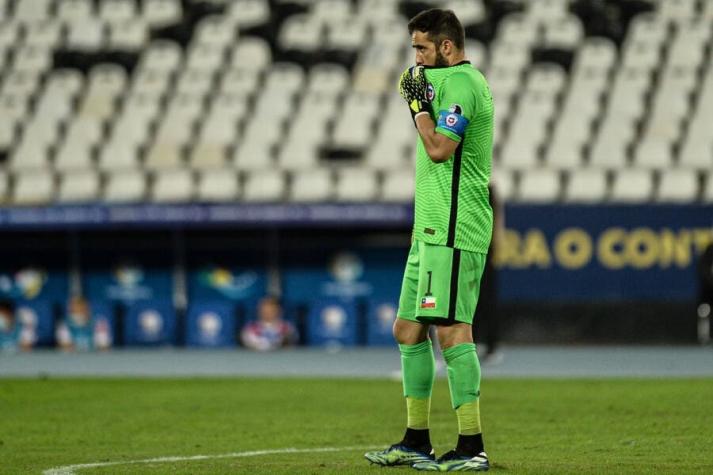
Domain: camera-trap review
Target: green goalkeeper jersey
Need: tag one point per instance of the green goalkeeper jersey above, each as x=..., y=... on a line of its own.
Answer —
x=452, y=207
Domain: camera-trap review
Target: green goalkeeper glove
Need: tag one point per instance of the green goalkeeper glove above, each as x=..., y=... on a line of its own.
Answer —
x=414, y=89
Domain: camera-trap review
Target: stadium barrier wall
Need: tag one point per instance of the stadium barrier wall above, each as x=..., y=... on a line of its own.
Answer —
x=566, y=273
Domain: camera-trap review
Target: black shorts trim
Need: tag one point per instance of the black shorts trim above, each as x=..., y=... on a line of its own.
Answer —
x=438, y=321
x=455, y=184
x=453, y=299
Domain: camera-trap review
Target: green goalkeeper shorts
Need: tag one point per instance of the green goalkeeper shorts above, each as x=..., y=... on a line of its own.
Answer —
x=441, y=284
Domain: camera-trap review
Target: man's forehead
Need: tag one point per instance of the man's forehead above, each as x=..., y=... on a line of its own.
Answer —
x=420, y=38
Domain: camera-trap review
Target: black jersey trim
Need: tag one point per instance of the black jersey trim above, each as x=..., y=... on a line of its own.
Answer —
x=455, y=184
x=455, y=271
x=465, y=61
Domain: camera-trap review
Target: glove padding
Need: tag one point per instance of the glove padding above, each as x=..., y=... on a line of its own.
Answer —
x=413, y=88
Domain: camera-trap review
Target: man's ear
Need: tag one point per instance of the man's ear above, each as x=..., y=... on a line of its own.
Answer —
x=446, y=47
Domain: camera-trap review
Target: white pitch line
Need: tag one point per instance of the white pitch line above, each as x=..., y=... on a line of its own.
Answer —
x=71, y=469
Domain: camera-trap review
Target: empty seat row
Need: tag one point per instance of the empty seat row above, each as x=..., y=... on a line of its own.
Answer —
x=598, y=186
x=220, y=185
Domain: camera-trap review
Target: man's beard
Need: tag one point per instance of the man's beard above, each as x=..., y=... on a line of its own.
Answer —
x=441, y=60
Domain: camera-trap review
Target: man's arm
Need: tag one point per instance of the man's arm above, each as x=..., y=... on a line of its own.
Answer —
x=438, y=147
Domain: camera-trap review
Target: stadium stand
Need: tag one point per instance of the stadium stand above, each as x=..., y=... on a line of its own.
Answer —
x=234, y=100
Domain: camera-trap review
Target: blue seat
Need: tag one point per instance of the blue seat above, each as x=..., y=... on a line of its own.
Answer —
x=150, y=323
x=211, y=324
x=380, y=321
x=332, y=322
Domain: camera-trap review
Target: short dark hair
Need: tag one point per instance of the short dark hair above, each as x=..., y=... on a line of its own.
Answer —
x=440, y=25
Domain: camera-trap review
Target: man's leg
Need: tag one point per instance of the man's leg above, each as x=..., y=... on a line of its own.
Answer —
x=464, y=383
x=418, y=373
x=418, y=369
x=456, y=340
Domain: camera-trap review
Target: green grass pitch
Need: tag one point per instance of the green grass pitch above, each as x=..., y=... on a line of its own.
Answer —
x=533, y=426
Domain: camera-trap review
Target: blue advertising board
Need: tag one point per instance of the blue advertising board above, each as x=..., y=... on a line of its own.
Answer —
x=604, y=252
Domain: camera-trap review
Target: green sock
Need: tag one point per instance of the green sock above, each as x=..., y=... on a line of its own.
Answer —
x=418, y=367
x=418, y=411
x=463, y=373
x=469, y=418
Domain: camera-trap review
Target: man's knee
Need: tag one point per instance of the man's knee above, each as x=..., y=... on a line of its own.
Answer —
x=407, y=332
x=453, y=335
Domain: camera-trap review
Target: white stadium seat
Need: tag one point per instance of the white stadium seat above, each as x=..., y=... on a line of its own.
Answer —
x=300, y=32
x=653, y=154
x=79, y=186
x=632, y=186
x=346, y=34
x=586, y=186
x=539, y=186
x=597, y=53
x=33, y=187
x=287, y=78
x=117, y=11
x=504, y=182
x=648, y=28
x=264, y=186
x=564, y=33
x=118, y=155
x=162, y=55
x=43, y=34
x=73, y=156
x=74, y=11
x=220, y=185
x=240, y=80
x=164, y=156
x=398, y=186
x=356, y=185
x=207, y=156
x=679, y=186
x=326, y=78
x=33, y=11
x=128, y=35
x=216, y=32
x=29, y=155
x=159, y=13
x=86, y=36
x=173, y=186
x=251, y=52
x=518, y=30
x=313, y=185
x=249, y=13
x=32, y=59
x=125, y=186
x=205, y=57
x=545, y=11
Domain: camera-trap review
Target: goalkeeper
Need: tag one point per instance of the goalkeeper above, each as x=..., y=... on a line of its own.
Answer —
x=452, y=109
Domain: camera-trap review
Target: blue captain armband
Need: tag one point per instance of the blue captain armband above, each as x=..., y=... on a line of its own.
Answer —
x=452, y=122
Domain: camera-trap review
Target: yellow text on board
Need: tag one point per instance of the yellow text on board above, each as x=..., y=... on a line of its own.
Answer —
x=614, y=248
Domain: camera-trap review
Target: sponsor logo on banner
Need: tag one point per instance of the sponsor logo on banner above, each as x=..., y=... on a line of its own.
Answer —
x=347, y=269
x=333, y=318
x=386, y=314
x=210, y=325
x=230, y=284
x=26, y=283
x=428, y=301
x=151, y=323
x=129, y=283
